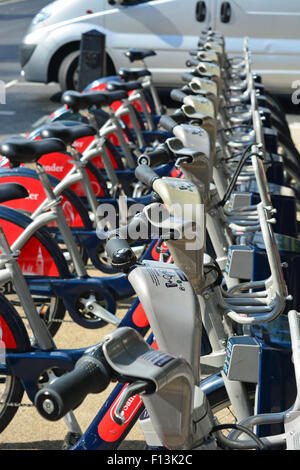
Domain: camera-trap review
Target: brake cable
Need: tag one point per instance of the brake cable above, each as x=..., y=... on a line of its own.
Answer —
x=234, y=178
x=229, y=443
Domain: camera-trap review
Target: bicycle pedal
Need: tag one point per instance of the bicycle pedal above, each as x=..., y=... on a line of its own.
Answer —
x=70, y=440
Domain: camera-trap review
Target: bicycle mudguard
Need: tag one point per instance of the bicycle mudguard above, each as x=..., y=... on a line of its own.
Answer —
x=84, y=142
x=40, y=255
x=59, y=165
x=100, y=85
x=64, y=113
x=74, y=210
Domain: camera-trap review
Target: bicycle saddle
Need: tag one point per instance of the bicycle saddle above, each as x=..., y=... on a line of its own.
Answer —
x=11, y=191
x=139, y=54
x=18, y=149
x=128, y=75
x=67, y=131
x=76, y=100
x=125, y=86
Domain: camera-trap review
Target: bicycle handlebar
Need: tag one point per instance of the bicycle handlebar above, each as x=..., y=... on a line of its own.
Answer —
x=187, y=77
x=91, y=374
x=121, y=255
x=192, y=62
x=178, y=95
x=160, y=156
x=168, y=123
x=146, y=175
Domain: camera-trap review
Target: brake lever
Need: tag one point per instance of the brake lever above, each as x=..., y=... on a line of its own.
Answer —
x=136, y=388
x=187, y=159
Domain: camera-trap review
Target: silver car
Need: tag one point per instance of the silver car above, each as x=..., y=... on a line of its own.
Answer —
x=50, y=49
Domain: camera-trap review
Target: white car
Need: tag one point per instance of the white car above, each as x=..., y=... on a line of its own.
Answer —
x=50, y=50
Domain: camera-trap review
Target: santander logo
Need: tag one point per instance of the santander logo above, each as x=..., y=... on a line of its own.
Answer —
x=54, y=168
x=108, y=429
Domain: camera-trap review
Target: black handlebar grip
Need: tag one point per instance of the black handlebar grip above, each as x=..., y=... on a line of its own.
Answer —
x=179, y=117
x=121, y=255
x=187, y=77
x=160, y=156
x=186, y=89
x=177, y=95
x=116, y=244
x=192, y=63
x=146, y=175
x=90, y=375
x=168, y=123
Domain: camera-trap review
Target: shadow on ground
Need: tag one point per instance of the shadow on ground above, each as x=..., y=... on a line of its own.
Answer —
x=57, y=445
x=39, y=445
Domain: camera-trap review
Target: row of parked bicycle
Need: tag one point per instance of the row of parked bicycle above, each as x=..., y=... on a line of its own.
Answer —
x=193, y=214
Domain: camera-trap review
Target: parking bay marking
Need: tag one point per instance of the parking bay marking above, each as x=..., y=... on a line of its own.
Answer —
x=7, y=113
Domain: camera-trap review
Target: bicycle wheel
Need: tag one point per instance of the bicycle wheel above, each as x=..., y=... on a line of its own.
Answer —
x=11, y=393
x=53, y=263
x=14, y=339
x=221, y=405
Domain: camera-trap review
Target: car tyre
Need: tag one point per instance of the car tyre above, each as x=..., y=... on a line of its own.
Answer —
x=68, y=72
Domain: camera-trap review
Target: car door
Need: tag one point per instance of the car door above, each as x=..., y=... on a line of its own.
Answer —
x=273, y=30
x=169, y=27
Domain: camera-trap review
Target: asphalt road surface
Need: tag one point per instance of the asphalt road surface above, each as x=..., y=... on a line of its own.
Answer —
x=25, y=102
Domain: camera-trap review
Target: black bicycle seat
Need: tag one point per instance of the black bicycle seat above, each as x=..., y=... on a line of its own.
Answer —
x=18, y=149
x=126, y=86
x=139, y=54
x=67, y=131
x=129, y=75
x=11, y=191
x=76, y=100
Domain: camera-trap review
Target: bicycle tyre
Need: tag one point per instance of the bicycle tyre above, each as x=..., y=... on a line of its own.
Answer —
x=55, y=311
x=15, y=337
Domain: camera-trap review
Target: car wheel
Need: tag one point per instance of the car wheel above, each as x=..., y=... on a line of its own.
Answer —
x=68, y=72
